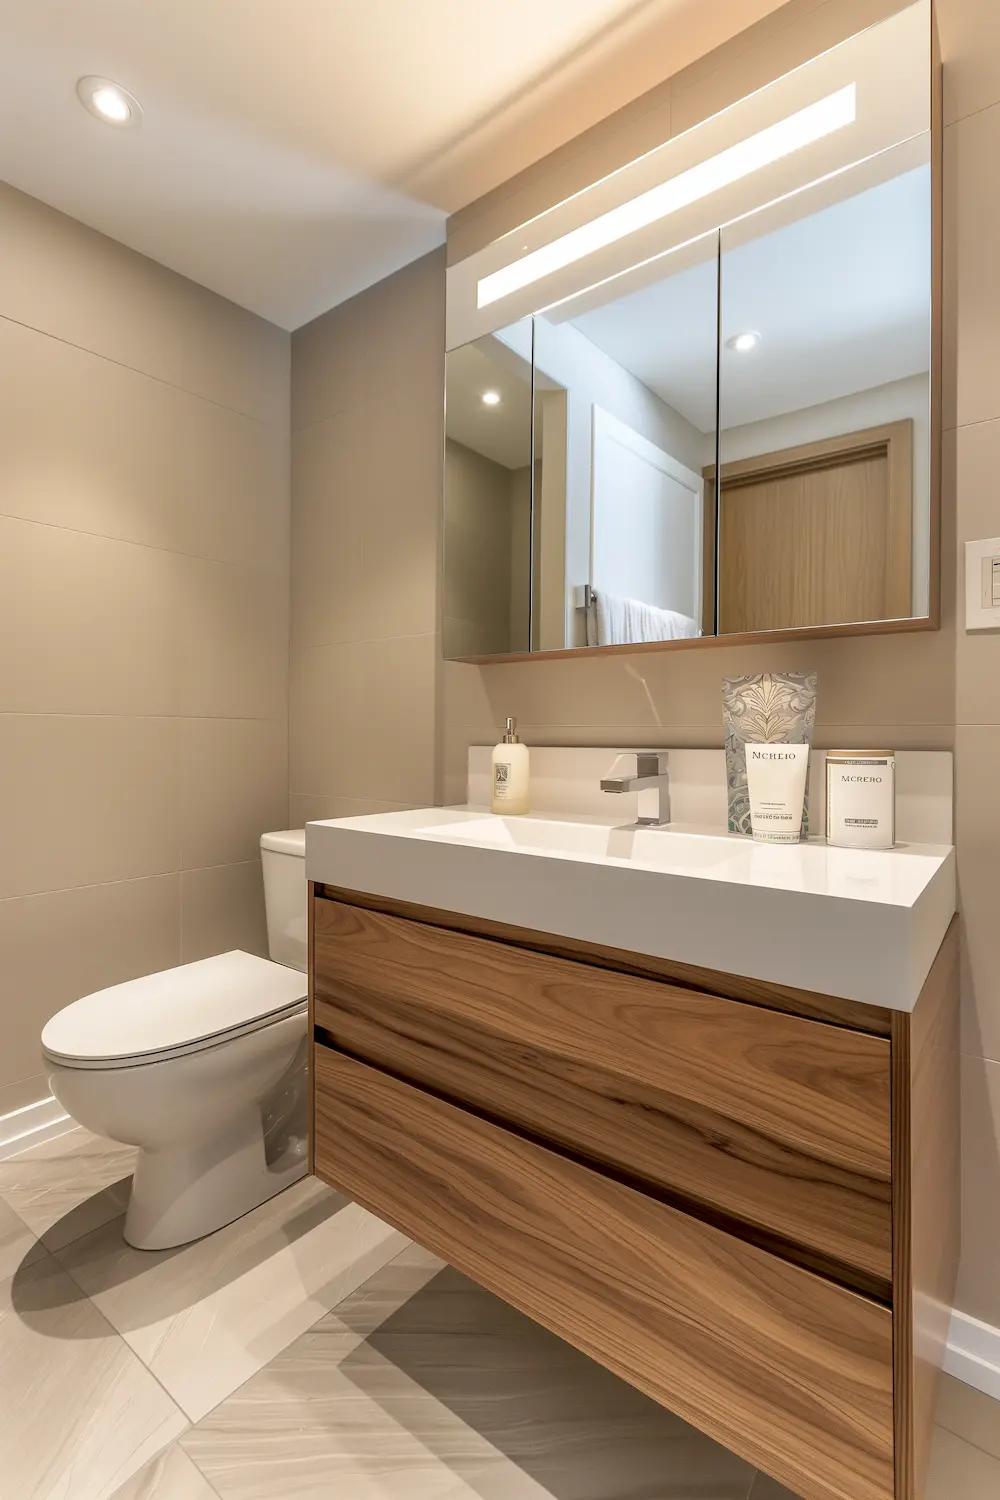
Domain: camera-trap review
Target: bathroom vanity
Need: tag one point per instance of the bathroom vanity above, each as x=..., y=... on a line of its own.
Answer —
x=583, y=1065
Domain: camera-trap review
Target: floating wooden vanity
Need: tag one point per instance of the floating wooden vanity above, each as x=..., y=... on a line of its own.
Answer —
x=738, y=1196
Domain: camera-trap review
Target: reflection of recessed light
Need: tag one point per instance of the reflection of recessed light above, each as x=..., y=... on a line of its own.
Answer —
x=109, y=102
x=743, y=342
x=490, y=398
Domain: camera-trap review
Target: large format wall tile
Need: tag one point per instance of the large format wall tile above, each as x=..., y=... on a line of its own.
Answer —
x=972, y=270
x=232, y=641
x=233, y=788
x=328, y=595
x=64, y=944
x=970, y=47
x=363, y=720
x=978, y=1287
x=87, y=800
x=94, y=446
x=87, y=623
x=977, y=772
x=60, y=276
x=390, y=335
x=309, y=807
x=222, y=908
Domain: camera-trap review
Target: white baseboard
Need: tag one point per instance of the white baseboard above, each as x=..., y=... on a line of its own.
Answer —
x=32, y=1124
x=973, y=1353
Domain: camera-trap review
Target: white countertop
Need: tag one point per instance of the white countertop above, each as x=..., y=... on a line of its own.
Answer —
x=861, y=925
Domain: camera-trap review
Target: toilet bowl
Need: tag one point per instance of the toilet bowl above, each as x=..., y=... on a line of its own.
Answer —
x=203, y=1068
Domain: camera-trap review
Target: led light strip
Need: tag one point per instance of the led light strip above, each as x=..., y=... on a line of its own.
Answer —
x=760, y=150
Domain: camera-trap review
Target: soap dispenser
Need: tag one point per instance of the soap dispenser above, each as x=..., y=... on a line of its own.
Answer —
x=510, y=773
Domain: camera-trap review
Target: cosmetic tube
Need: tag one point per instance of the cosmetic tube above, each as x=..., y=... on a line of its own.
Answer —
x=776, y=783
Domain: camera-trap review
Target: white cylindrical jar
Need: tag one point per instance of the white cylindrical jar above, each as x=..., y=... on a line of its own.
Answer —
x=861, y=798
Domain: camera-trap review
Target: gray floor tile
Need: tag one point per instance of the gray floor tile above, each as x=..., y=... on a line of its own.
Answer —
x=207, y=1316
x=18, y=1246
x=171, y=1475
x=451, y=1395
x=769, y=1489
x=959, y=1471
x=970, y=1415
x=80, y=1413
x=65, y=1187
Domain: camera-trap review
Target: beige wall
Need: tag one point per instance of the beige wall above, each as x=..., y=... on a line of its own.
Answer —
x=143, y=620
x=478, y=541
x=970, y=36
x=367, y=454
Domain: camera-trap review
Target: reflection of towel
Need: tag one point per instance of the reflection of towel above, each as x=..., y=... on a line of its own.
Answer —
x=617, y=622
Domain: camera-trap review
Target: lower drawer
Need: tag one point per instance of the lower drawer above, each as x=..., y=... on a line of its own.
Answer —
x=784, y=1368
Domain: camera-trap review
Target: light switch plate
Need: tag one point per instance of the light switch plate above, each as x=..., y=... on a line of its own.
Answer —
x=982, y=584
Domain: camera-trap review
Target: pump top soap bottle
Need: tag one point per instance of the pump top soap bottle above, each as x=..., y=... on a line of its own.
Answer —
x=511, y=773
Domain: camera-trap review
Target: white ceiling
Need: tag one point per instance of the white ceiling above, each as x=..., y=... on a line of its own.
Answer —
x=840, y=299
x=295, y=151
x=502, y=432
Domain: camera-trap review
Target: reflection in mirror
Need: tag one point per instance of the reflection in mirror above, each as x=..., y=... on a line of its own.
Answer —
x=825, y=396
x=487, y=512
x=625, y=405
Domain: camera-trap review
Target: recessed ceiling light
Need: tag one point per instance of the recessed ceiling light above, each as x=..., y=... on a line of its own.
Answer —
x=743, y=342
x=773, y=144
x=490, y=398
x=110, y=102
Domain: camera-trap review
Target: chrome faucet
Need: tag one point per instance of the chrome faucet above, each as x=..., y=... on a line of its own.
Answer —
x=649, y=778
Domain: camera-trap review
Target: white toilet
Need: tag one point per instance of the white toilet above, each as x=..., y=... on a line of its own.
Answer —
x=203, y=1067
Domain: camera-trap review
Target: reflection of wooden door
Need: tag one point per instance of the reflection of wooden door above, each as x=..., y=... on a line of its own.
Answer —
x=818, y=535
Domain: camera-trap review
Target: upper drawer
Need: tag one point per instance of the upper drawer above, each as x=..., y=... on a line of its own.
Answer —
x=776, y=1123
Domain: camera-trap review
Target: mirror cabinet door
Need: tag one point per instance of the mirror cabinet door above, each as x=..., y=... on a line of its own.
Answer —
x=487, y=495
x=825, y=398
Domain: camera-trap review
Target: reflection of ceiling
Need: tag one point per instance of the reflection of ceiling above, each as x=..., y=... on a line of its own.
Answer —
x=840, y=299
x=502, y=433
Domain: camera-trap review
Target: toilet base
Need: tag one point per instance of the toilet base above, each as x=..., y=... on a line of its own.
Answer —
x=187, y=1191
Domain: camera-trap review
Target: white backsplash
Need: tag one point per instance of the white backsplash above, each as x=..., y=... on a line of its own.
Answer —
x=568, y=780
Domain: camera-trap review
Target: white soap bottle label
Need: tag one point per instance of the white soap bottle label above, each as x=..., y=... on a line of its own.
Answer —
x=511, y=774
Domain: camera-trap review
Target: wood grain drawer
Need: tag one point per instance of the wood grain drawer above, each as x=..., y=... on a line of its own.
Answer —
x=786, y=1369
x=768, y=1123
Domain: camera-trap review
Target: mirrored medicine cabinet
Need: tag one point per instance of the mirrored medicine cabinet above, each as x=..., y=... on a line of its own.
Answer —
x=699, y=400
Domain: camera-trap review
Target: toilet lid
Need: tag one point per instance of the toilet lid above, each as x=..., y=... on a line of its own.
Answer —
x=178, y=1010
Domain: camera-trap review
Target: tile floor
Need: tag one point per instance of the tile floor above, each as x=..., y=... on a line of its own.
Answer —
x=308, y=1351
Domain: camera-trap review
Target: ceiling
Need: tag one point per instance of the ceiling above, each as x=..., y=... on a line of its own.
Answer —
x=502, y=432
x=840, y=298
x=295, y=151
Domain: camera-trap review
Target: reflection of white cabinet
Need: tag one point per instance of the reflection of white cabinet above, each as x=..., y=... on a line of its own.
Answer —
x=646, y=520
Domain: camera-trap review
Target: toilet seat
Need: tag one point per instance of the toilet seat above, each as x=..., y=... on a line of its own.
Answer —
x=174, y=1013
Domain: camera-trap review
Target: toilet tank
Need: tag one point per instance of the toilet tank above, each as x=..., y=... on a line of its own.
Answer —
x=283, y=856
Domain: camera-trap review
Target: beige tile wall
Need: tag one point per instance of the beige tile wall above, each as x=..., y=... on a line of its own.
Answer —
x=143, y=620
x=367, y=455
x=970, y=37
x=919, y=691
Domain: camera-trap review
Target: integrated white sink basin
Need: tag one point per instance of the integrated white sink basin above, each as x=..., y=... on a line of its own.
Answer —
x=860, y=925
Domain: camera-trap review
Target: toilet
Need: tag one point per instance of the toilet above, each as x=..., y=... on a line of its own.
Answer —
x=203, y=1068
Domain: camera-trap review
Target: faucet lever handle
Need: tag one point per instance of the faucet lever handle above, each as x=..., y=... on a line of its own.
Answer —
x=650, y=763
